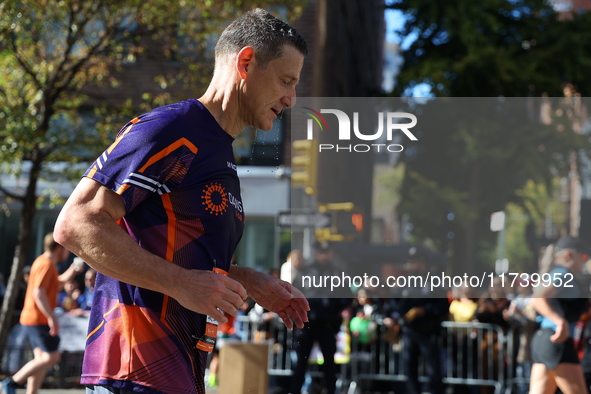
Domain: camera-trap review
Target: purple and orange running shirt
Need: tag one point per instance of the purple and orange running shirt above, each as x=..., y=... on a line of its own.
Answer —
x=174, y=168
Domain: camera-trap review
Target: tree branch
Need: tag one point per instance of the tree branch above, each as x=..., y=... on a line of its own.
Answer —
x=11, y=194
x=22, y=62
x=71, y=40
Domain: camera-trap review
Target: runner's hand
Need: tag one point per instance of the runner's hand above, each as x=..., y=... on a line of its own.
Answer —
x=210, y=293
x=561, y=333
x=280, y=297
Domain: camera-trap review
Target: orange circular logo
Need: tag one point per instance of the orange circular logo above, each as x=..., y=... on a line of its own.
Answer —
x=215, y=199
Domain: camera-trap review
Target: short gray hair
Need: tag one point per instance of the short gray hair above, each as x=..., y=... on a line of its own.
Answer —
x=262, y=31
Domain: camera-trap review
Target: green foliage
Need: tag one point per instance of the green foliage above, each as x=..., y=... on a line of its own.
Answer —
x=517, y=250
x=389, y=183
x=494, y=47
x=53, y=54
x=471, y=162
x=537, y=208
x=490, y=48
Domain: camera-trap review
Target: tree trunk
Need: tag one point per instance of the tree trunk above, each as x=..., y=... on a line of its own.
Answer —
x=23, y=246
x=351, y=70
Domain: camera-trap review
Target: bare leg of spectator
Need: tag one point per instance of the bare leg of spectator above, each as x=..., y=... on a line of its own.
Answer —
x=542, y=380
x=570, y=378
x=36, y=368
x=35, y=381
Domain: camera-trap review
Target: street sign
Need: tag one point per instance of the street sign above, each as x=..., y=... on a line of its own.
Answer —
x=291, y=219
x=497, y=221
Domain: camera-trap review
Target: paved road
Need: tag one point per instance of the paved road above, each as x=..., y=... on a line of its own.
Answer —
x=79, y=391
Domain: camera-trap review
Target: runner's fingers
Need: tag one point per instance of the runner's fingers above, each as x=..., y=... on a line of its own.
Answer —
x=228, y=307
x=301, y=307
x=295, y=317
x=235, y=287
x=217, y=314
x=233, y=298
x=299, y=298
x=286, y=320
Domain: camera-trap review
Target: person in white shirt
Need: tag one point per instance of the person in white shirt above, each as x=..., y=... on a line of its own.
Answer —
x=292, y=265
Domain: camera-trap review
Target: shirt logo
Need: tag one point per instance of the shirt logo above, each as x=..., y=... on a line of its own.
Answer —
x=215, y=199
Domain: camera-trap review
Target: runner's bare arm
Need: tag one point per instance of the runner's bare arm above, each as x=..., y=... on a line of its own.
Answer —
x=87, y=226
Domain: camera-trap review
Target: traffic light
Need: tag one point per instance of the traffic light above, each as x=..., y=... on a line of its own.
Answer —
x=304, y=162
x=346, y=222
x=349, y=223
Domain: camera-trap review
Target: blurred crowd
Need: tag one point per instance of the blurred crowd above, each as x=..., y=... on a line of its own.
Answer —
x=411, y=323
x=369, y=316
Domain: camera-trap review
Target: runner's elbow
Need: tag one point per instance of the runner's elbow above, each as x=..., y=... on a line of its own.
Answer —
x=65, y=227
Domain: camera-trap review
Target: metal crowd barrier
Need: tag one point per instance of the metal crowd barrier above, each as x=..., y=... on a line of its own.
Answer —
x=514, y=383
x=473, y=354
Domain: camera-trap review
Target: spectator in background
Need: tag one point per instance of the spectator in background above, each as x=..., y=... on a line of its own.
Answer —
x=555, y=361
x=85, y=300
x=324, y=320
x=363, y=326
x=68, y=297
x=422, y=313
x=364, y=304
x=522, y=316
x=22, y=289
x=463, y=308
x=293, y=263
x=38, y=318
x=492, y=304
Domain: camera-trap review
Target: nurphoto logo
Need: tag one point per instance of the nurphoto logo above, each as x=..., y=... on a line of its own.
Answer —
x=391, y=119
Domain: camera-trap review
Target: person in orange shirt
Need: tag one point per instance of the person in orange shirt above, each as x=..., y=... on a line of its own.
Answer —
x=38, y=319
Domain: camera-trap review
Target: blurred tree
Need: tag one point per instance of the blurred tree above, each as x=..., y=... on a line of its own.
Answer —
x=56, y=56
x=489, y=48
x=536, y=207
x=471, y=161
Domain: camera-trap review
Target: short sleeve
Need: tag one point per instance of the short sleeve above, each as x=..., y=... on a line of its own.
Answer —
x=40, y=275
x=150, y=155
